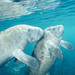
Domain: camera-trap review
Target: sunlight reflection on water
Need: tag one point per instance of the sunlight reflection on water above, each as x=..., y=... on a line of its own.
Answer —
x=10, y=10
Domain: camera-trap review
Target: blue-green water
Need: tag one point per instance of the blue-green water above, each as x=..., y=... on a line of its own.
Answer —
x=64, y=14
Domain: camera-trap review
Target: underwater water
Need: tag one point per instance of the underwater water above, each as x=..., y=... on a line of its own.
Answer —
x=63, y=14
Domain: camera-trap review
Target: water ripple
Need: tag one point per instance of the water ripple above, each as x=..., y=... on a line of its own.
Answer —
x=46, y=9
x=13, y=10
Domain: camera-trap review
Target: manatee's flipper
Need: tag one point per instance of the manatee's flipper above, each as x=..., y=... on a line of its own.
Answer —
x=66, y=45
x=48, y=73
x=59, y=53
x=26, y=59
x=17, y=62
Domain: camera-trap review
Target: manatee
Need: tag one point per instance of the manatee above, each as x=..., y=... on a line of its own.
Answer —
x=13, y=41
x=47, y=49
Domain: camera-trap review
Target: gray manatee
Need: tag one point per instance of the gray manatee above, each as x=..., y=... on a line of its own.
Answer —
x=13, y=41
x=47, y=49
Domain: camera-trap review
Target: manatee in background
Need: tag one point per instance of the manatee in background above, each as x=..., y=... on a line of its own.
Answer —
x=47, y=49
x=13, y=41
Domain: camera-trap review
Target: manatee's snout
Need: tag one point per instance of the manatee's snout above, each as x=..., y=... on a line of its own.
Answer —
x=60, y=27
x=56, y=30
x=60, y=30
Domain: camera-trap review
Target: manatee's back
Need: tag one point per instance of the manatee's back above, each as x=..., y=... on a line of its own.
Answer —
x=9, y=40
